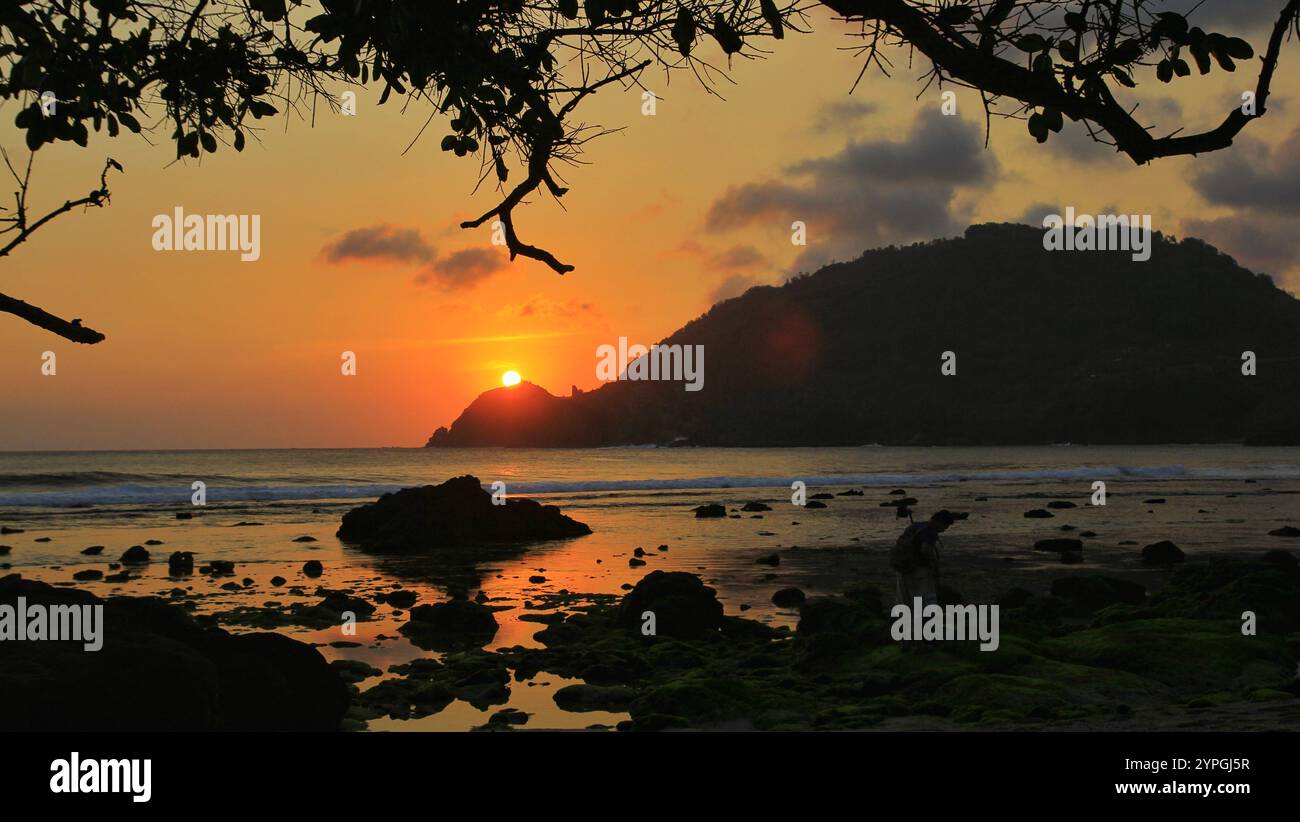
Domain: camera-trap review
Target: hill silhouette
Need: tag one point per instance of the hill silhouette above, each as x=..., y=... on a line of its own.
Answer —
x=1082, y=347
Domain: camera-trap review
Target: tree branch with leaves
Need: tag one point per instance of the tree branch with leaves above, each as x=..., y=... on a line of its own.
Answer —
x=508, y=75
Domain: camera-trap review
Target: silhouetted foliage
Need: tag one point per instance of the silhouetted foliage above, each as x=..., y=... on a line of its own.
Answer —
x=509, y=74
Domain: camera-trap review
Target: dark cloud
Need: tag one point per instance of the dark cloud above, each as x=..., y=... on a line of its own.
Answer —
x=463, y=269
x=869, y=194
x=1230, y=15
x=1251, y=176
x=1261, y=184
x=842, y=113
x=380, y=242
x=939, y=149
x=1261, y=244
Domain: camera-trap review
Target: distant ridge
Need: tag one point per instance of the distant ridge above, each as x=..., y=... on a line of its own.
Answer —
x=1081, y=347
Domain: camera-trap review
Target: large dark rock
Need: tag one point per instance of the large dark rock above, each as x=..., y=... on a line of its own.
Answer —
x=1163, y=552
x=180, y=562
x=401, y=598
x=710, y=510
x=844, y=615
x=1084, y=595
x=159, y=670
x=135, y=555
x=788, y=598
x=457, y=513
x=684, y=607
x=450, y=625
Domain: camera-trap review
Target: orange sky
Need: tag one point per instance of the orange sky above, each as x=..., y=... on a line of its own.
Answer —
x=205, y=351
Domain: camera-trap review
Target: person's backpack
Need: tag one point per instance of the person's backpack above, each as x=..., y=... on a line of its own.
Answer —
x=906, y=554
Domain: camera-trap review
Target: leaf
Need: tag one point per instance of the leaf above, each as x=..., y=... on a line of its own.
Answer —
x=1123, y=77
x=1201, y=55
x=773, y=18
x=1165, y=71
x=1031, y=43
x=1075, y=21
x=1126, y=52
x=450, y=142
x=239, y=140
x=1054, y=119
x=569, y=8
x=260, y=109
x=1181, y=68
x=1172, y=24
x=272, y=10
x=1069, y=50
x=1238, y=49
x=209, y=142
x=726, y=35
x=954, y=15
x=595, y=11
x=128, y=120
x=684, y=30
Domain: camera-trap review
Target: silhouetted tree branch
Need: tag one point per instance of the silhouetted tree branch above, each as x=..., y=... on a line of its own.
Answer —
x=509, y=73
x=1100, y=42
x=21, y=227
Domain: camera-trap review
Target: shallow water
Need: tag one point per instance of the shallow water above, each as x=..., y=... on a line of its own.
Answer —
x=1217, y=499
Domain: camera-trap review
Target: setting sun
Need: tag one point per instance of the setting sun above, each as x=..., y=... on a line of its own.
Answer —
x=510, y=378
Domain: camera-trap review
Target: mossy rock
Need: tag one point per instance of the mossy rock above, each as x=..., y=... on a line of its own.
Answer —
x=1188, y=655
x=1224, y=588
x=696, y=698
x=1022, y=697
x=584, y=697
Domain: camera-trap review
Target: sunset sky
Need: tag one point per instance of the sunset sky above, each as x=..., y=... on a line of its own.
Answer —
x=361, y=250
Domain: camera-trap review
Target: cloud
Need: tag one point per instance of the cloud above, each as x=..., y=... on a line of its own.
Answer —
x=1240, y=15
x=738, y=256
x=841, y=113
x=381, y=242
x=1250, y=176
x=1263, y=244
x=871, y=193
x=732, y=286
x=1034, y=214
x=540, y=306
x=1261, y=186
x=463, y=269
